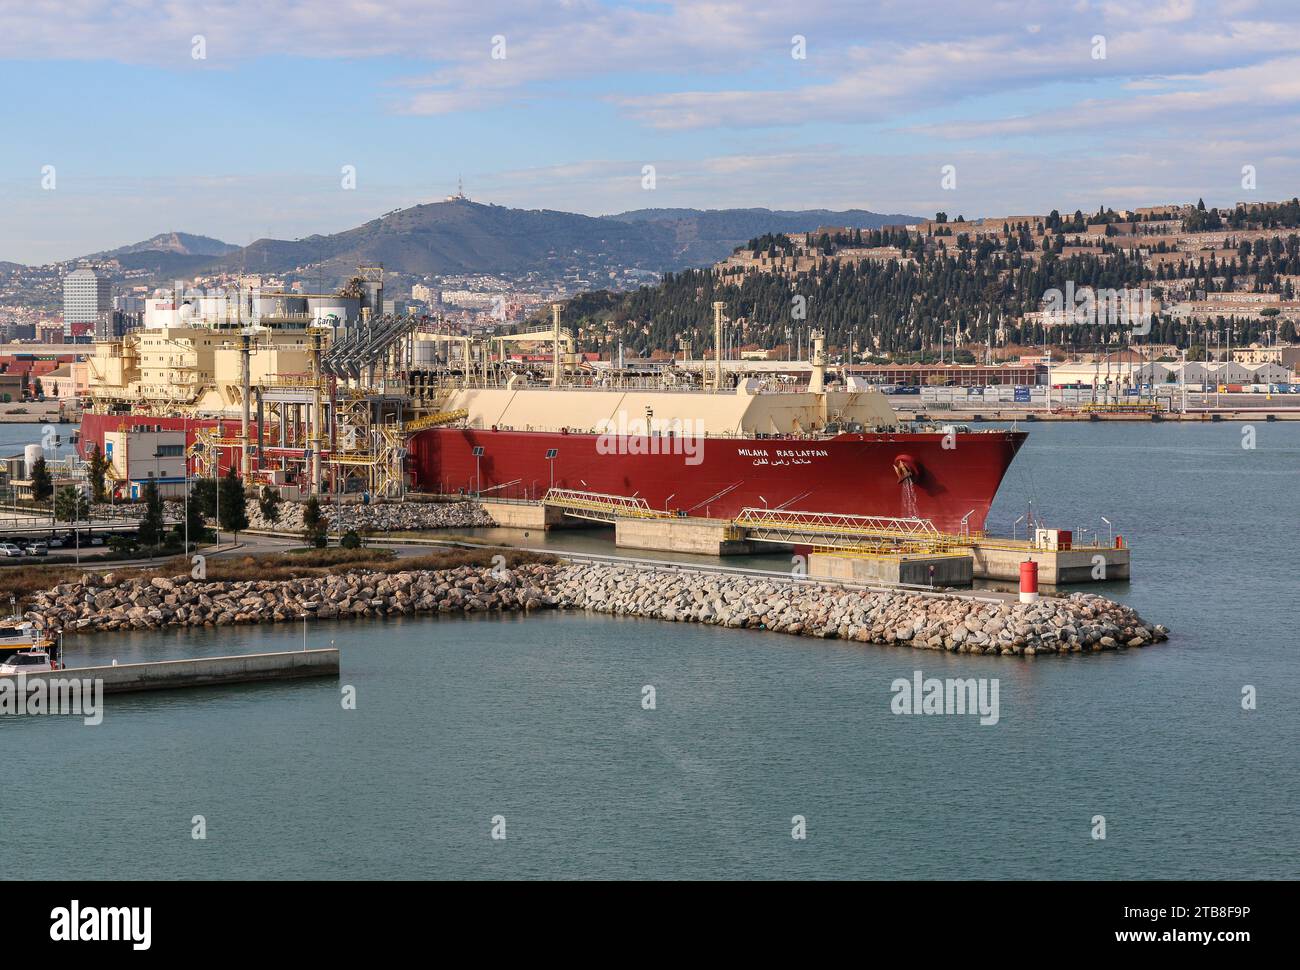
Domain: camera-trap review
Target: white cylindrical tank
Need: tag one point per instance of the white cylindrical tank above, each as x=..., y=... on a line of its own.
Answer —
x=424, y=353
x=32, y=454
x=160, y=312
x=335, y=315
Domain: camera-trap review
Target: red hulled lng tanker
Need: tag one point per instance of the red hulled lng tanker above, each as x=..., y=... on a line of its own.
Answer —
x=830, y=447
x=713, y=454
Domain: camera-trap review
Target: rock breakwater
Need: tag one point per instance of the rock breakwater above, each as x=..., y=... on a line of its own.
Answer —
x=373, y=517
x=1073, y=624
x=138, y=604
x=378, y=517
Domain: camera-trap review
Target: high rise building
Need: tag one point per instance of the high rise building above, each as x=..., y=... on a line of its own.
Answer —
x=86, y=294
x=426, y=294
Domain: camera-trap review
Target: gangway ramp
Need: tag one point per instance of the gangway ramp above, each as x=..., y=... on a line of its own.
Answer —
x=435, y=420
x=600, y=507
x=834, y=530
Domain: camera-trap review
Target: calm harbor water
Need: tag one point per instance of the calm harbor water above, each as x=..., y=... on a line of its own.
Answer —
x=539, y=720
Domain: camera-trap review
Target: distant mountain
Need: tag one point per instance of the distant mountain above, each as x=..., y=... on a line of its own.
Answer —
x=166, y=255
x=178, y=243
x=460, y=236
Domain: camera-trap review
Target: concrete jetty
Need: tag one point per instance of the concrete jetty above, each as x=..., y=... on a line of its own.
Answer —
x=953, y=561
x=205, y=671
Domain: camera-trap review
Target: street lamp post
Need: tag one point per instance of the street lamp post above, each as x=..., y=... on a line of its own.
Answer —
x=1182, y=378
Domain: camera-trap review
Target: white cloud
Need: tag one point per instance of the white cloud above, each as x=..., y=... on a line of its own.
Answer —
x=1188, y=92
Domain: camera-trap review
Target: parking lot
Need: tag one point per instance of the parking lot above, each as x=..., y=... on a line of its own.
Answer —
x=18, y=547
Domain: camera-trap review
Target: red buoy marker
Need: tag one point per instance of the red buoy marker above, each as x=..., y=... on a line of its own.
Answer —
x=1029, y=581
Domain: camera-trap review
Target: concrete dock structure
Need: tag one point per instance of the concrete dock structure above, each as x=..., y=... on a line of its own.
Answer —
x=205, y=671
x=906, y=552
x=997, y=559
x=533, y=516
x=1001, y=559
x=953, y=570
x=703, y=537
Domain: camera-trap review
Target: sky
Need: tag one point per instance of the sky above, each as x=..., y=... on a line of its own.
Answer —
x=243, y=119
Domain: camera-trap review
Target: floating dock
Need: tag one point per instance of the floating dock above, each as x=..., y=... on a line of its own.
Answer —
x=204, y=672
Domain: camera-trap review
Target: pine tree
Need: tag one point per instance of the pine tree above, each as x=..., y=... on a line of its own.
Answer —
x=314, y=523
x=192, y=524
x=98, y=474
x=203, y=497
x=269, y=504
x=151, y=524
x=234, y=511
x=42, y=484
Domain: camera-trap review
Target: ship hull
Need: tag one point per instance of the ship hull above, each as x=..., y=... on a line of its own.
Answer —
x=956, y=476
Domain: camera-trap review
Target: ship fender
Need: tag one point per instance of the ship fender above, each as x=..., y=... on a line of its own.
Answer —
x=907, y=469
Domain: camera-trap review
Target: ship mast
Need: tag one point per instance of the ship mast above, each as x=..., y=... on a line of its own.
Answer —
x=717, y=345
x=555, y=345
x=245, y=382
x=817, y=384
x=317, y=421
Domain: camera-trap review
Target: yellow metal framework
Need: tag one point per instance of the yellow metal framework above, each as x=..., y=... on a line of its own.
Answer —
x=436, y=419
x=207, y=448
x=1121, y=407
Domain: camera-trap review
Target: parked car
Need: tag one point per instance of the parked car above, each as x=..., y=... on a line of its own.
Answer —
x=96, y=540
x=9, y=549
x=37, y=549
x=56, y=543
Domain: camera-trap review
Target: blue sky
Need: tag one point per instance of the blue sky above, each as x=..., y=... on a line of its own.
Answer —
x=250, y=140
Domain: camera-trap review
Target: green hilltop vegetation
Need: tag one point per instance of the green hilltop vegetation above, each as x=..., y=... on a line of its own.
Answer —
x=904, y=306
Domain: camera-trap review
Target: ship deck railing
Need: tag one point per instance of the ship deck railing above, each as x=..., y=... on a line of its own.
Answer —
x=813, y=436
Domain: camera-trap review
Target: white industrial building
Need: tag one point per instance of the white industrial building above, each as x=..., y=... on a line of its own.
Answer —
x=1209, y=375
x=137, y=455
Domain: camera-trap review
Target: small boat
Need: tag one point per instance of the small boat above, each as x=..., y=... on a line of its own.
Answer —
x=34, y=660
x=22, y=637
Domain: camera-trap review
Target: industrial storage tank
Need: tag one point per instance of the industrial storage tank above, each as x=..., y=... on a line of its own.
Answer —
x=424, y=353
x=31, y=455
x=345, y=309
x=217, y=308
x=278, y=305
